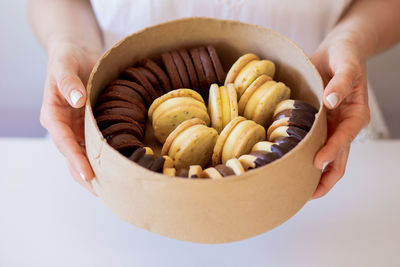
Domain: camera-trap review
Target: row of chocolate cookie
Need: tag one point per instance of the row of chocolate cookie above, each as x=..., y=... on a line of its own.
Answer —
x=196, y=68
x=121, y=109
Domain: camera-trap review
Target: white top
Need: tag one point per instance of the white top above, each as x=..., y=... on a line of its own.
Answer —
x=306, y=22
x=47, y=219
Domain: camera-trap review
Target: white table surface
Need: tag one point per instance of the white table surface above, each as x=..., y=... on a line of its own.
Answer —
x=46, y=219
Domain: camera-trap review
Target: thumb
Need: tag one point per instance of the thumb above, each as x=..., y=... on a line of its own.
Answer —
x=69, y=84
x=341, y=84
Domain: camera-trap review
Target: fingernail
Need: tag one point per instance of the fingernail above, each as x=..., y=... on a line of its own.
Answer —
x=324, y=166
x=75, y=95
x=332, y=99
x=82, y=176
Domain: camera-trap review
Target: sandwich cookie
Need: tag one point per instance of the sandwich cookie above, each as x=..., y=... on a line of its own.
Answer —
x=218, y=172
x=246, y=69
x=236, y=166
x=208, y=68
x=190, y=69
x=293, y=113
x=183, y=172
x=137, y=88
x=144, y=157
x=257, y=159
x=152, y=79
x=219, y=71
x=222, y=105
x=174, y=107
x=191, y=143
x=259, y=104
x=281, y=147
x=172, y=70
x=287, y=131
x=134, y=75
x=158, y=72
x=195, y=171
x=238, y=66
x=169, y=171
x=236, y=139
x=291, y=104
x=195, y=55
x=123, y=127
x=125, y=143
x=182, y=71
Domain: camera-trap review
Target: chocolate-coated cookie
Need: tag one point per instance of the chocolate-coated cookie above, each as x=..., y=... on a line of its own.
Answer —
x=172, y=70
x=219, y=71
x=224, y=170
x=301, y=116
x=158, y=72
x=158, y=164
x=284, y=145
x=264, y=158
x=180, y=66
x=137, y=154
x=146, y=161
x=184, y=172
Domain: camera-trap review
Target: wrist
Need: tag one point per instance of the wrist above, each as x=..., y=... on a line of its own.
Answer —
x=58, y=42
x=358, y=41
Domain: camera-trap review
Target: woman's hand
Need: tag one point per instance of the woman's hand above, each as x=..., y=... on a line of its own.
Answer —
x=343, y=70
x=62, y=112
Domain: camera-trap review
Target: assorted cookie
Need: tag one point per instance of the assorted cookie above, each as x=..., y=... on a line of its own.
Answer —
x=253, y=120
x=222, y=105
x=191, y=143
x=236, y=139
x=174, y=107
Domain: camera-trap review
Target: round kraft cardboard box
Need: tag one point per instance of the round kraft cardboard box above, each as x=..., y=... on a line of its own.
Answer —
x=207, y=210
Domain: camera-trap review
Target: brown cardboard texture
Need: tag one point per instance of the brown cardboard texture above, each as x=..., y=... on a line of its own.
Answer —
x=207, y=210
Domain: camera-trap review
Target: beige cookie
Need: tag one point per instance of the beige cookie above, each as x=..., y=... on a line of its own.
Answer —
x=192, y=145
x=238, y=66
x=222, y=105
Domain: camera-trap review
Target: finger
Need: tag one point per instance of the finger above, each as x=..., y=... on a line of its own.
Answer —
x=69, y=84
x=80, y=180
x=66, y=143
x=342, y=136
x=341, y=84
x=332, y=174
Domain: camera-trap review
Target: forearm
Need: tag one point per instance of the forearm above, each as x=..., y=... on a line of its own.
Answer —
x=373, y=25
x=55, y=21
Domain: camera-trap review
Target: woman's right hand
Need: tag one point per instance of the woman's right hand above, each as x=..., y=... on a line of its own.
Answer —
x=62, y=112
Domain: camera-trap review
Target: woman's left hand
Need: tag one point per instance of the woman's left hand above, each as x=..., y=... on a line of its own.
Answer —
x=343, y=70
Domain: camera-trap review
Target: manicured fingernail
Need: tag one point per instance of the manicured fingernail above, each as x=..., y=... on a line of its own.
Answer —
x=75, y=95
x=82, y=176
x=324, y=166
x=332, y=99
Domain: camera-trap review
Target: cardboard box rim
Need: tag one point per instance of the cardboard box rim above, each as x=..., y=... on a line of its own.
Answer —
x=320, y=122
